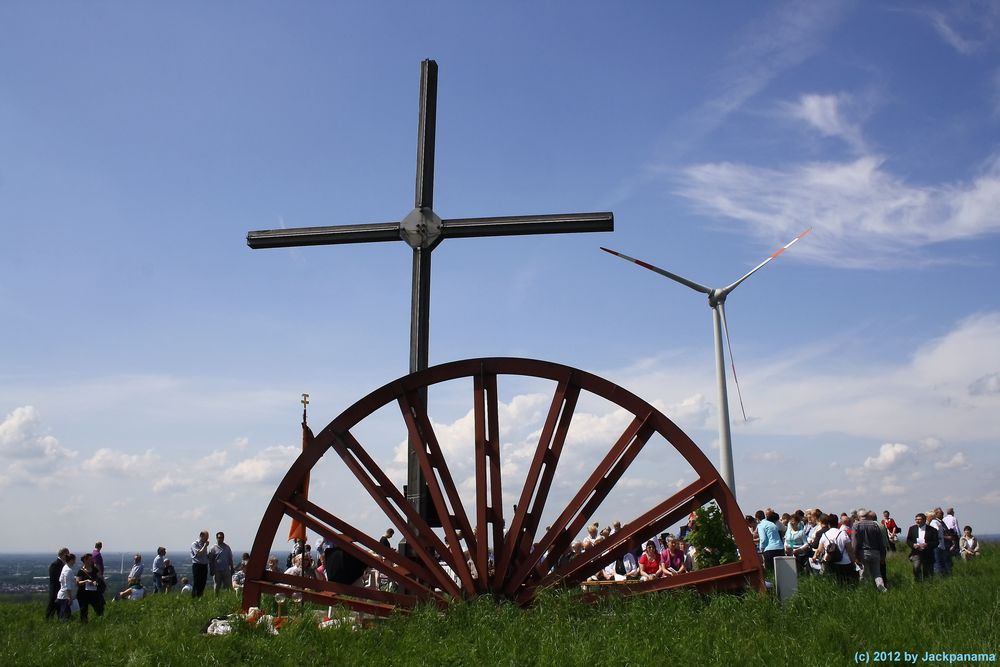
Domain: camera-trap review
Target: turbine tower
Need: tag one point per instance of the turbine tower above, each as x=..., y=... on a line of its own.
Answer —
x=717, y=302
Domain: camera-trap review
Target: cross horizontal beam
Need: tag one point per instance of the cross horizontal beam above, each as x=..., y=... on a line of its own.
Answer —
x=456, y=228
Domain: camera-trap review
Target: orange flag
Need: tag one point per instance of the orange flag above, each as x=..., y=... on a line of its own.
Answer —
x=298, y=530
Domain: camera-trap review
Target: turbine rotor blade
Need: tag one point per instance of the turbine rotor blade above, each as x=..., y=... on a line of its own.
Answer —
x=730, y=288
x=732, y=362
x=663, y=272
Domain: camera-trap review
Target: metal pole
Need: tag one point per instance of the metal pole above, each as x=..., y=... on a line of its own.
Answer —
x=420, y=305
x=725, y=437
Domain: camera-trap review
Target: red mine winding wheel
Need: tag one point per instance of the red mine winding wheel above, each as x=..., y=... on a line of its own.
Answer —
x=525, y=557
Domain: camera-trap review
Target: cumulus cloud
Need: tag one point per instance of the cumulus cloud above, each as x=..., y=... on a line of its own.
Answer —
x=930, y=444
x=920, y=400
x=172, y=481
x=889, y=455
x=109, y=462
x=28, y=454
x=21, y=437
x=695, y=410
x=956, y=462
x=269, y=466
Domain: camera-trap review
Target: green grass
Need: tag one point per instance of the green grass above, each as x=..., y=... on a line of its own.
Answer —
x=823, y=625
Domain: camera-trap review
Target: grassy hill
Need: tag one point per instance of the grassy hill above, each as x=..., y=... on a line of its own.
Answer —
x=824, y=625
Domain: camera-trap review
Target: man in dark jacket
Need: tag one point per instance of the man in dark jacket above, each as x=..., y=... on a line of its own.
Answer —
x=922, y=540
x=55, y=569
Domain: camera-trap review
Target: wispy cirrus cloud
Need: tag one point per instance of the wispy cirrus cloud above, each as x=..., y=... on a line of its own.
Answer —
x=969, y=27
x=865, y=216
x=784, y=37
x=826, y=113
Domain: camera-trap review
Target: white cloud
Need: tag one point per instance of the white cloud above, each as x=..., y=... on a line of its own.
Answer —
x=891, y=488
x=267, y=467
x=172, y=481
x=890, y=455
x=695, y=410
x=825, y=113
x=780, y=40
x=191, y=514
x=930, y=444
x=987, y=384
x=72, y=506
x=109, y=462
x=214, y=461
x=766, y=457
x=956, y=462
x=21, y=437
x=909, y=402
x=28, y=455
x=969, y=27
x=864, y=216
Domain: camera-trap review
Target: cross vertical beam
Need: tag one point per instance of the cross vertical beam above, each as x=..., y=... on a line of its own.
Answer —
x=423, y=231
x=420, y=297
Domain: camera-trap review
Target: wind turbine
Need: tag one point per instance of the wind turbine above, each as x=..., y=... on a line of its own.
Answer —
x=717, y=302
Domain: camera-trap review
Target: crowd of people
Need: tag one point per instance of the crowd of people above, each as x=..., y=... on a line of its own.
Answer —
x=850, y=546
x=855, y=546
x=83, y=589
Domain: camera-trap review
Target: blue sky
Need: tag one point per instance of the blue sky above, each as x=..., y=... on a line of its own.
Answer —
x=151, y=364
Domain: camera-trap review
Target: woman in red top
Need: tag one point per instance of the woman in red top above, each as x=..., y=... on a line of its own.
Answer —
x=891, y=529
x=649, y=563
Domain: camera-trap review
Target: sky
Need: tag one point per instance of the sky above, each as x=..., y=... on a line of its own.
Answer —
x=151, y=364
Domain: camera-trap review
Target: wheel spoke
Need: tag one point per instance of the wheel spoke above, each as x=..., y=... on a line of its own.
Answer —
x=557, y=540
x=521, y=536
x=434, y=467
x=489, y=506
x=655, y=520
x=408, y=573
x=402, y=514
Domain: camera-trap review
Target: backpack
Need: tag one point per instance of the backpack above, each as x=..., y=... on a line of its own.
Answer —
x=832, y=550
x=950, y=540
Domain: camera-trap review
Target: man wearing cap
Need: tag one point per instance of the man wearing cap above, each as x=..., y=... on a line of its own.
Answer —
x=199, y=564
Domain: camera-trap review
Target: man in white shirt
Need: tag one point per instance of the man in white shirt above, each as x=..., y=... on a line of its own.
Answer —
x=158, y=569
x=843, y=568
x=137, y=568
x=942, y=554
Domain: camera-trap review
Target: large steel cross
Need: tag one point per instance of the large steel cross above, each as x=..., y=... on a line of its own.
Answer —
x=423, y=230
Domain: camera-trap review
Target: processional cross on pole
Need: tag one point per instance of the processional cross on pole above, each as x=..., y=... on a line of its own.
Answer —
x=423, y=230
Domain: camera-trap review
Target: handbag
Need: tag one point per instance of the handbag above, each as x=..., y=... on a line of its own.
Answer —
x=74, y=607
